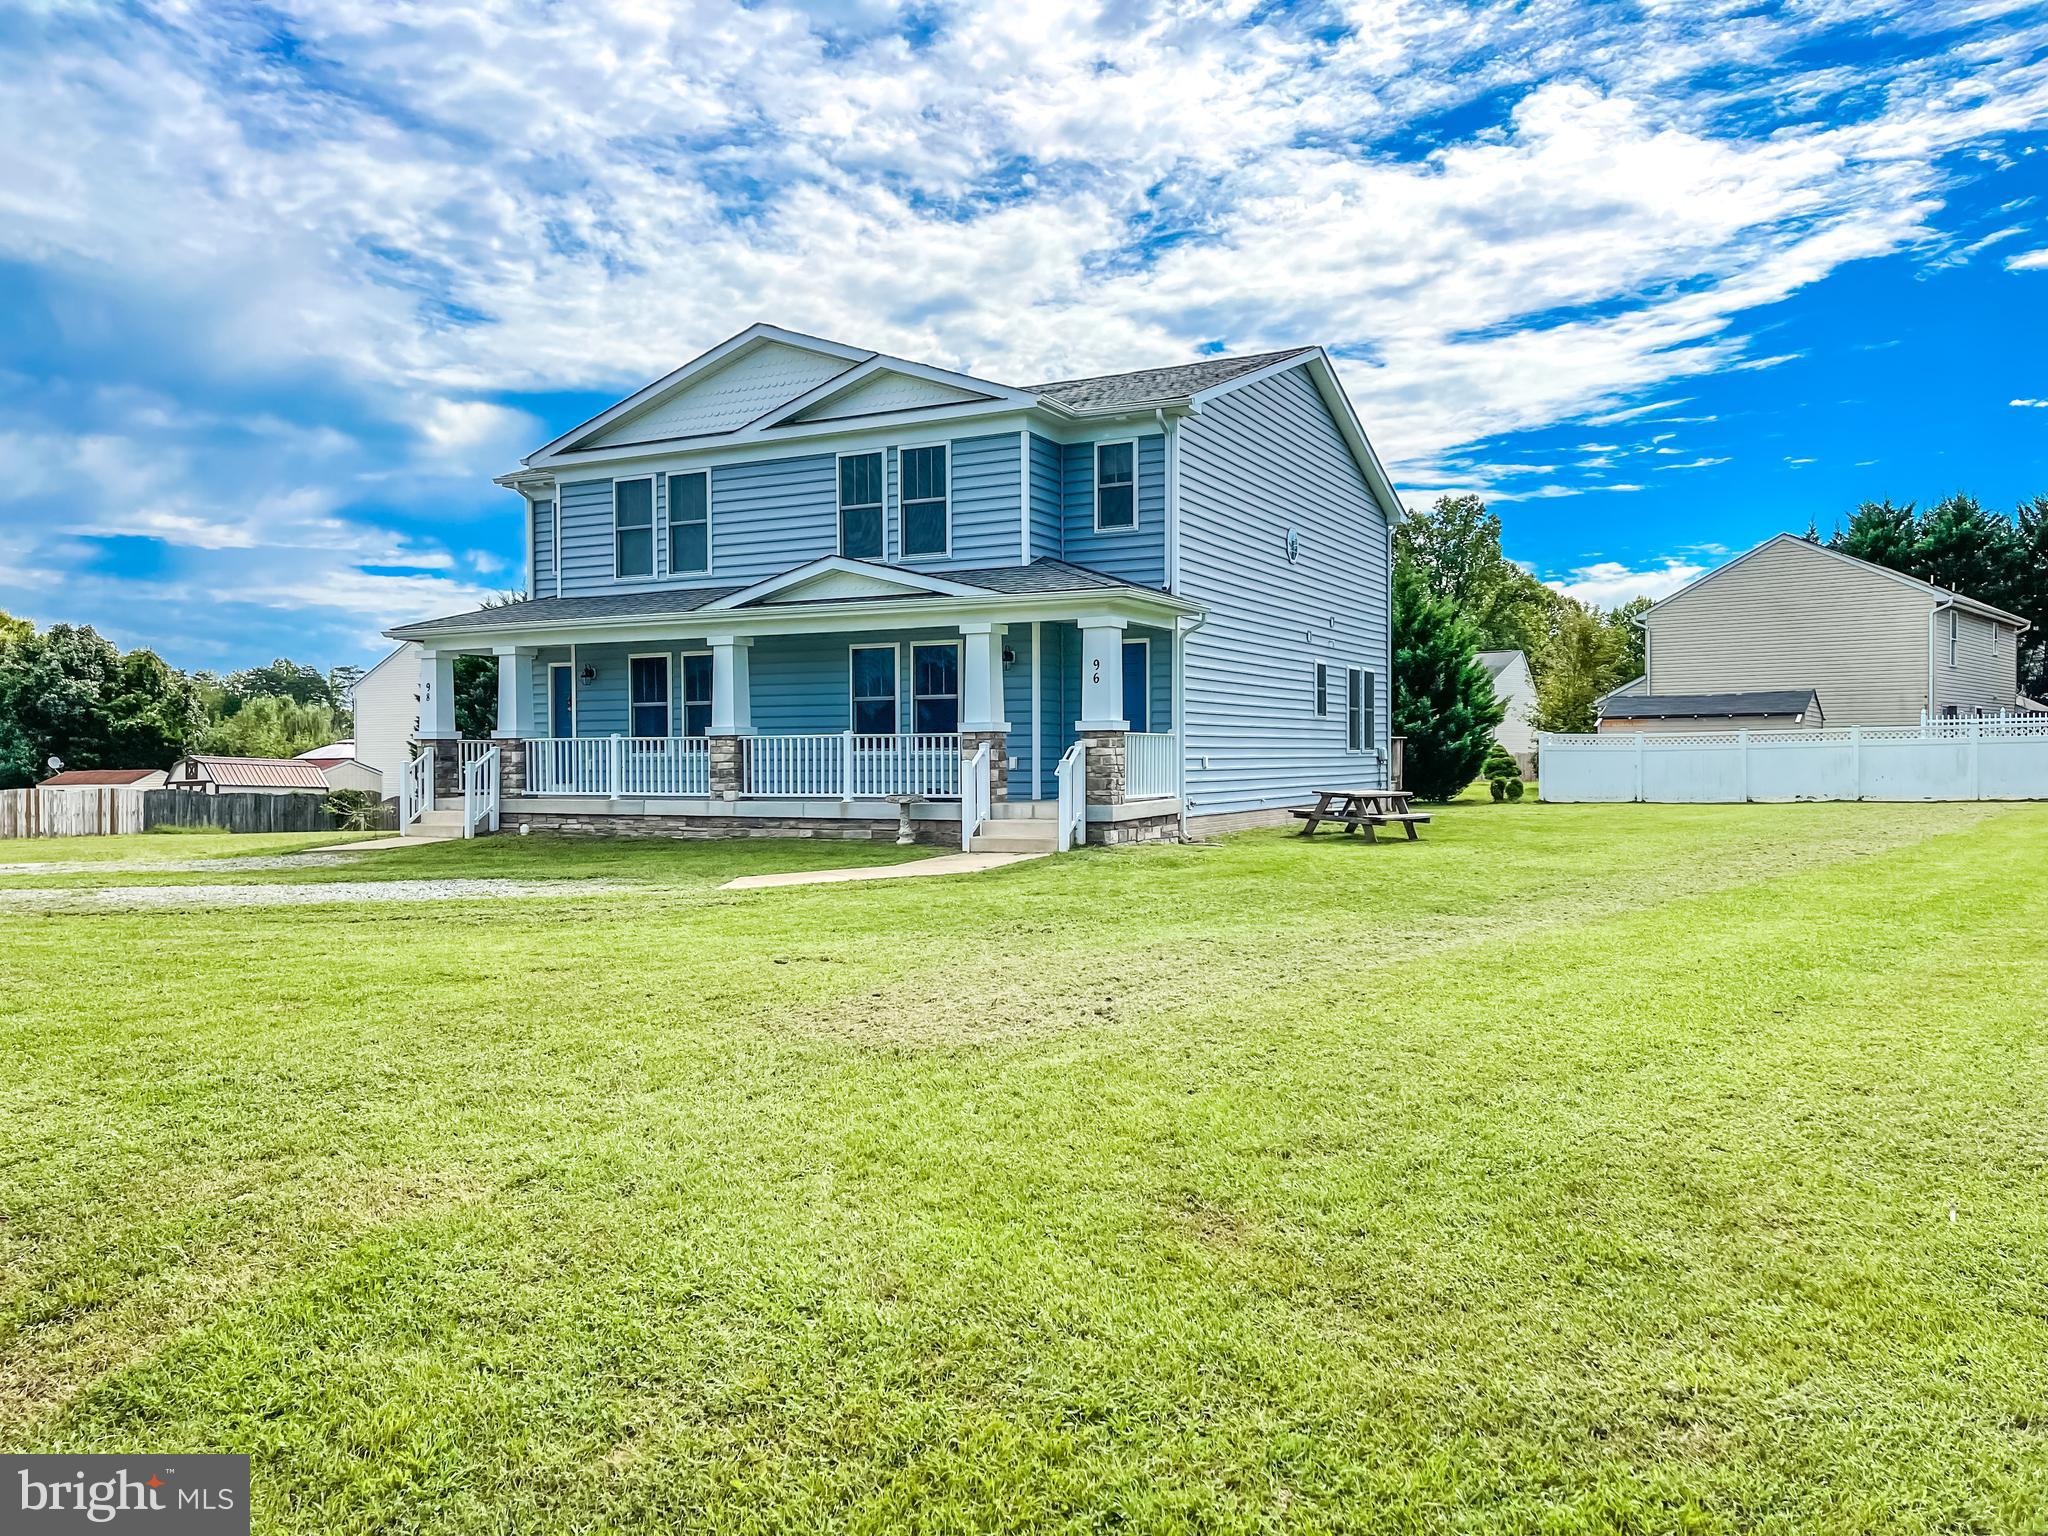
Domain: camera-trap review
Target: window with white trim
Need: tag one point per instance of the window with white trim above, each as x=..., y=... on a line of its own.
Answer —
x=1116, y=485
x=647, y=686
x=633, y=527
x=923, y=499
x=697, y=693
x=860, y=506
x=1359, y=735
x=689, y=524
x=935, y=688
x=873, y=685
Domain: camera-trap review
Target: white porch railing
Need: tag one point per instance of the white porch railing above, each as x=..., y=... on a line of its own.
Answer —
x=1072, y=778
x=469, y=751
x=416, y=789
x=977, y=796
x=480, y=793
x=833, y=765
x=1151, y=762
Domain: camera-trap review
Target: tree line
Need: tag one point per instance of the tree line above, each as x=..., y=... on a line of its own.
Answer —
x=70, y=693
x=1456, y=594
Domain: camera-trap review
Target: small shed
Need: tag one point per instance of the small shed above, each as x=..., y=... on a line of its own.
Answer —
x=343, y=768
x=105, y=778
x=1775, y=709
x=247, y=775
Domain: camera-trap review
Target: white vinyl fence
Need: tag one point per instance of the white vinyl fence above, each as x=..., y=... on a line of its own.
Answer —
x=69, y=812
x=2002, y=758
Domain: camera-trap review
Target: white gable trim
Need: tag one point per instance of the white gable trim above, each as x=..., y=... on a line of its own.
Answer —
x=1938, y=596
x=726, y=351
x=823, y=394
x=1323, y=374
x=884, y=576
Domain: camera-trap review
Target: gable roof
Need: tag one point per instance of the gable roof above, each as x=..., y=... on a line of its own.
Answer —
x=1496, y=662
x=87, y=778
x=1768, y=703
x=1042, y=577
x=1941, y=596
x=257, y=772
x=1153, y=386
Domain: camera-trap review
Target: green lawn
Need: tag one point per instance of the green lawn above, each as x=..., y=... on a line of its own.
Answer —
x=1612, y=1168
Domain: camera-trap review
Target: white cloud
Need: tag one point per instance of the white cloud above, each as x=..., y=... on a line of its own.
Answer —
x=1699, y=463
x=1609, y=583
x=2031, y=404
x=2027, y=261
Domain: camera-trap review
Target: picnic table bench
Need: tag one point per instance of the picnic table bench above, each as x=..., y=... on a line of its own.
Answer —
x=1357, y=810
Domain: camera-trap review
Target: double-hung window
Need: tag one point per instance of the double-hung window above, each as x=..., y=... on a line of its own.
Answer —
x=935, y=688
x=689, y=524
x=647, y=685
x=1358, y=722
x=1116, y=485
x=633, y=527
x=924, y=501
x=697, y=693
x=874, y=690
x=860, y=505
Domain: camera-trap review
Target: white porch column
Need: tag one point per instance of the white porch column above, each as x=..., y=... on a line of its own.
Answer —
x=732, y=702
x=1102, y=676
x=437, y=695
x=981, y=677
x=515, y=693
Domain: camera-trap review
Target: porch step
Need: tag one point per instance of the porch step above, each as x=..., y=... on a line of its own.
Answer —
x=1025, y=810
x=439, y=823
x=1016, y=835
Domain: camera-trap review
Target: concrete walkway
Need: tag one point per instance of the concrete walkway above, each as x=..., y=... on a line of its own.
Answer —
x=945, y=864
x=410, y=840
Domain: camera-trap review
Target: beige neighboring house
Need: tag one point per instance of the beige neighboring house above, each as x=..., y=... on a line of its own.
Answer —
x=1516, y=690
x=1793, y=618
x=338, y=764
x=387, y=712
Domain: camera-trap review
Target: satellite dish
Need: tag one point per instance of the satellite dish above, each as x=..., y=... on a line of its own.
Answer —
x=56, y=763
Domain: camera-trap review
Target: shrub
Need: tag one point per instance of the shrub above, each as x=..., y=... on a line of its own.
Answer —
x=355, y=810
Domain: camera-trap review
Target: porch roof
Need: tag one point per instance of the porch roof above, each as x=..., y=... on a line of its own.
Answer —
x=1041, y=578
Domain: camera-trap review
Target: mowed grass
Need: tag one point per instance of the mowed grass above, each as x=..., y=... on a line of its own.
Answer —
x=1576, y=1168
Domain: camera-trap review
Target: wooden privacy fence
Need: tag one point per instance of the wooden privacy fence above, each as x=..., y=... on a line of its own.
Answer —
x=70, y=812
x=234, y=812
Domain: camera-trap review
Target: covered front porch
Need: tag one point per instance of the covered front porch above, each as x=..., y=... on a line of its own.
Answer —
x=889, y=715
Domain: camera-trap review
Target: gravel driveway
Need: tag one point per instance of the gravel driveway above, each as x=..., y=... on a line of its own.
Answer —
x=145, y=897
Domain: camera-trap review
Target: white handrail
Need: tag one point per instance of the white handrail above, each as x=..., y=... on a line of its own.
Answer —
x=480, y=792
x=416, y=789
x=977, y=792
x=1072, y=778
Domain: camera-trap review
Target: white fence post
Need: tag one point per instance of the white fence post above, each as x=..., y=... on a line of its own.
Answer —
x=1976, y=755
x=1742, y=765
x=1856, y=755
x=1640, y=794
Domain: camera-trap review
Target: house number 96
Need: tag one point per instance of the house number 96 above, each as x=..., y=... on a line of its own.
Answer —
x=1097, y=665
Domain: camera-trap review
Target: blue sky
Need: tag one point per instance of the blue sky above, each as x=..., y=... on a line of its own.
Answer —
x=286, y=284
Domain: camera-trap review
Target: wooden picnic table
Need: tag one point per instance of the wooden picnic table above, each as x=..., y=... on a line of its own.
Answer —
x=1360, y=810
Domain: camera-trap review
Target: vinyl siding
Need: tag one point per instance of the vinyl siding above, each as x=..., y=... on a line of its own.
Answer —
x=726, y=397
x=542, y=533
x=883, y=392
x=1986, y=675
x=770, y=516
x=1133, y=554
x=1260, y=461
x=387, y=714
x=988, y=507
x=1046, y=540
x=1793, y=616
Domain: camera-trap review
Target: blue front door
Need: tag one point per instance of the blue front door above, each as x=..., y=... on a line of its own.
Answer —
x=1138, y=684
x=561, y=701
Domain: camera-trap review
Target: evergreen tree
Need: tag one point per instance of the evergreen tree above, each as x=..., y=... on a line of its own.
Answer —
x=1963, y=547
x=1444, y=702
x=1882, y=534
x=2030, y=534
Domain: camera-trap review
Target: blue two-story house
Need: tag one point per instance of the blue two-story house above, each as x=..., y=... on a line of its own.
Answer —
x=798, y=586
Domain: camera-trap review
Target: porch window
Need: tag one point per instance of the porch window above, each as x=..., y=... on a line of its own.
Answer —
x=935, y=688
x=860, y=505
x=1358, y=721
x=697, y=693
x=633, y=527
x=647, y=680
x=689, y=524
x=925, y=530
x=1322, y=688
x=1116, y=485
x=874, y=690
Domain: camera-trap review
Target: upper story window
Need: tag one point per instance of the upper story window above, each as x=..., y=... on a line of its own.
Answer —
x=1953, y=636
x=633, y=527
x=689, y=524
x=1116, y=485
x=924, y=499
x=1322, y=688
x=1358, y=722
x=860, y=505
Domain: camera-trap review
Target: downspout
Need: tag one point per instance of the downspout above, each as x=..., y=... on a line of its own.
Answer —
x=1172, y=541
x=1182, y=628
x=1929, y=713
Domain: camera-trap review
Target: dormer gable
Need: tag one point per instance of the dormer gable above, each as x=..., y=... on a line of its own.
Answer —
x=837, y=579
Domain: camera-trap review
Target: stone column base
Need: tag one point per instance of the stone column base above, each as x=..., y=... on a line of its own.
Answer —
x=447, y=767
x=726, y=754
x=511, y=767
x=1106, y=767
x=998, y=759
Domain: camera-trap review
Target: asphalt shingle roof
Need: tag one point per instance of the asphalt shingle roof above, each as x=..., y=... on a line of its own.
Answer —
x=1150, y=385
x=1687, y=706
x=1043, y=575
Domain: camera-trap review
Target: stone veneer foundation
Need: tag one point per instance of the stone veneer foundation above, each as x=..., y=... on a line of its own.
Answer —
x=932, y=834
x=1137, y=829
